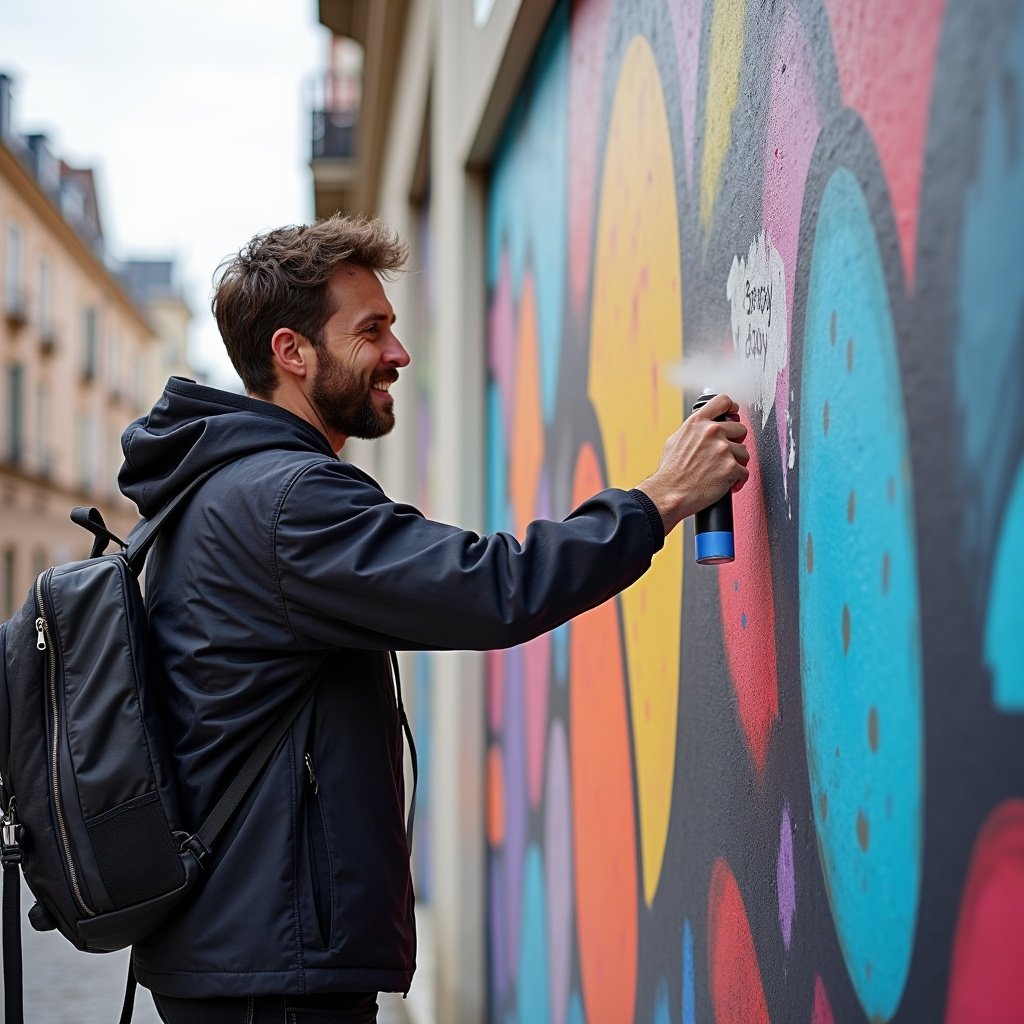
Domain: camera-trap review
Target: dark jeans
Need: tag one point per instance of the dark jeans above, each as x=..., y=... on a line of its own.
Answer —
x=336, y=1008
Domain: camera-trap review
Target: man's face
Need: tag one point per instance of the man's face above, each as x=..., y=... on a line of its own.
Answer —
x=359, y=359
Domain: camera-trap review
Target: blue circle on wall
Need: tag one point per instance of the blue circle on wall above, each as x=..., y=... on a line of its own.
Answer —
x=859, y=607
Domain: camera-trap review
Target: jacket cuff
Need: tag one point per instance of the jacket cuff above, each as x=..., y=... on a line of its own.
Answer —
x=650, y=510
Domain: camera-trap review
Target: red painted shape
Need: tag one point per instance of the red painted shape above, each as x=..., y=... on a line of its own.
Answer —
x=821, y=1013
x=748, y=612
x=986, y=981
x=737, y=993
x=603, y=821
x=587, y=35
x=886, y=54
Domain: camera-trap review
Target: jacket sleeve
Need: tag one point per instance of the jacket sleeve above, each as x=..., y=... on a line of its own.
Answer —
x=358, y=570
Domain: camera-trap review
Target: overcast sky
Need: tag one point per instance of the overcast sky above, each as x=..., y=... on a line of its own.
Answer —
x=194, y=115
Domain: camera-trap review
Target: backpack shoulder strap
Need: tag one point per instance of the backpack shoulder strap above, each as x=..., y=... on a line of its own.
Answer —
x=140, y=540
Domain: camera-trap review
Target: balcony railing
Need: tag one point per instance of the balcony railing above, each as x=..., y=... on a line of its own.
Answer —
x=335, y=117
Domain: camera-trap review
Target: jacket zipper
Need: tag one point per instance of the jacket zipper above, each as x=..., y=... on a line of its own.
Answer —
x=43, y=643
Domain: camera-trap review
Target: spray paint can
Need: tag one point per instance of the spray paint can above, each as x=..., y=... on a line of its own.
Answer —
x=713, y=533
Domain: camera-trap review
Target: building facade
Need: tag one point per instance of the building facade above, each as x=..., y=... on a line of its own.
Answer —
x=80, y=356
x=789, y=788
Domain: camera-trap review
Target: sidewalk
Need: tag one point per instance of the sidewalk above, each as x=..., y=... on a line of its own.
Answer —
x=65, y=986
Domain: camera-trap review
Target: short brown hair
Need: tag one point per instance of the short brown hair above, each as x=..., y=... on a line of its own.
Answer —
x=280, y=280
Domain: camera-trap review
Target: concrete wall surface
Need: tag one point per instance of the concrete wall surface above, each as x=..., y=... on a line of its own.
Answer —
x=790, y=788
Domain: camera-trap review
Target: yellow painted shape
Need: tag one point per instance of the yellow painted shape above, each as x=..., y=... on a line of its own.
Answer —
x=724, y=57
x=636, y=330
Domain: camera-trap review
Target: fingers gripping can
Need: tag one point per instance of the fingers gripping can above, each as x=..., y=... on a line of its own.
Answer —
x=713, y=530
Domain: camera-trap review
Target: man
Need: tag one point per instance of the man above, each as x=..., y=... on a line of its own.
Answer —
x=289, y=567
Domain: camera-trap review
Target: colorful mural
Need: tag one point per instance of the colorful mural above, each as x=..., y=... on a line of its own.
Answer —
x=790, y=788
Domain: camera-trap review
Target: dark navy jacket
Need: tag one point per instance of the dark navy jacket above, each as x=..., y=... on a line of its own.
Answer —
x=286, y=565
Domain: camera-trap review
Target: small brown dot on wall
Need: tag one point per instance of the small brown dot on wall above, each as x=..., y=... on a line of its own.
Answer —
x=846, y=628
x=824, y=418
x=832, y=328
x=810, y=553
x=849, y=355
x=886, y=569
x=824, y=805
x=851, y=506
x=863, y=831
x=873, y=728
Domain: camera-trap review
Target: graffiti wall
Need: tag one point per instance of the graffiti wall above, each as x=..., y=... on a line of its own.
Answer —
x=790, y=788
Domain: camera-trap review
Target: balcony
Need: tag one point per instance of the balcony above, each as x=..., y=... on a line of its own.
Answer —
x=48, y=342
x=334, y=135
x=334, y=109
x=16, y=307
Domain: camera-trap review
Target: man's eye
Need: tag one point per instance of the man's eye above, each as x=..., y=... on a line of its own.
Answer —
x=372, y=329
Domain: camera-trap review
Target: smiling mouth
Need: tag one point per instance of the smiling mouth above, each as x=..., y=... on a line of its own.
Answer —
x=383, y=386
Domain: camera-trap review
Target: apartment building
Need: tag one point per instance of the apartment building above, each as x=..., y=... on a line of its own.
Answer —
x=80, y=357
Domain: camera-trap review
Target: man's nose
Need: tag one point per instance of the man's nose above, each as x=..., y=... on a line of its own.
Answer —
x=396, y=355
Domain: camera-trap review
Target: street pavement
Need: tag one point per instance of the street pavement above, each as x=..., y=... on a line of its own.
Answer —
x=66, y=986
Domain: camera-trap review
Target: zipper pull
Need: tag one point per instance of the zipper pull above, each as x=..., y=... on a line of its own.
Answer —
x=40, y=635
x=312, y=775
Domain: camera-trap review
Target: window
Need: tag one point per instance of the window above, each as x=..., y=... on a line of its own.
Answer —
x=45, y=298
x=13, y=298
x=90, y=342
x=43, y=458
x=88, y=451
x=114, y=358
x=15, y=412
x=7, y=567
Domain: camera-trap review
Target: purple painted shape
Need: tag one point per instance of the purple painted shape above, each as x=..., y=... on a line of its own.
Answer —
x=536, y=684
x=686, y=21
x=558, y=872
x=502, y=340
x=785, y=877
x=498, y=927
x=537, y=681
x=514, y=748
x=793, y=127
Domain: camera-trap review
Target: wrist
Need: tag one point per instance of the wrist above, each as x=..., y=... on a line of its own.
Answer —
x=667, y=501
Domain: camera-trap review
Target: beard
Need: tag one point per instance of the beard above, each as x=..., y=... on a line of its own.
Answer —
x=345, y=403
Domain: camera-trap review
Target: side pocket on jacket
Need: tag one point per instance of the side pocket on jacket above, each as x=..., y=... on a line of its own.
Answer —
x=318, y=853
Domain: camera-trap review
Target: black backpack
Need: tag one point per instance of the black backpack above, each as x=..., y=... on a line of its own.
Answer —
x=89, y=808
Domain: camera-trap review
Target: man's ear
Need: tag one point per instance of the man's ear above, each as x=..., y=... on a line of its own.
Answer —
x=291, y=352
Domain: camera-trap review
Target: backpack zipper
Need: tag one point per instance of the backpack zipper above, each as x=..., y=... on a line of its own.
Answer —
x=43, y=644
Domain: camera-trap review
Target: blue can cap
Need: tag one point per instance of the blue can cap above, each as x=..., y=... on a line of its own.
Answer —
x=714, y=546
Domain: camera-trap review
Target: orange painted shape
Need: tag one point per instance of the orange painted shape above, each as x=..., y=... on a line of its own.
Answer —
x=737, y=993
x=748, y=612
x=526, y=443
x=886, y=56
x=986, y=982
x=495, y=796
x=604, y=853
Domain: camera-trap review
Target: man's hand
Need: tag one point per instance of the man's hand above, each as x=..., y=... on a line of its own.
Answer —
x=701, y=461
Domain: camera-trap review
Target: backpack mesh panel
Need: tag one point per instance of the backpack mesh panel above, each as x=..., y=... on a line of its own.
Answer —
x=136, y=852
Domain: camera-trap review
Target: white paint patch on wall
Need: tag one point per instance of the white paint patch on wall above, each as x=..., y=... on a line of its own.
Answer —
x=756, y=290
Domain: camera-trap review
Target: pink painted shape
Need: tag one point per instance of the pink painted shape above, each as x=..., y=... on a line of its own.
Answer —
x=886, y=54
x=502, y=340
x=793, y=127
x=822, y=1010
x=536, y=683
x=495, y=689
x=686, y=23
x=558, y=872
x=985, y=981
x=748, y=613
x=588, y=30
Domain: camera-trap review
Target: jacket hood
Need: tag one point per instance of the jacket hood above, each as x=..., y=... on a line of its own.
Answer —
x=193, y=428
